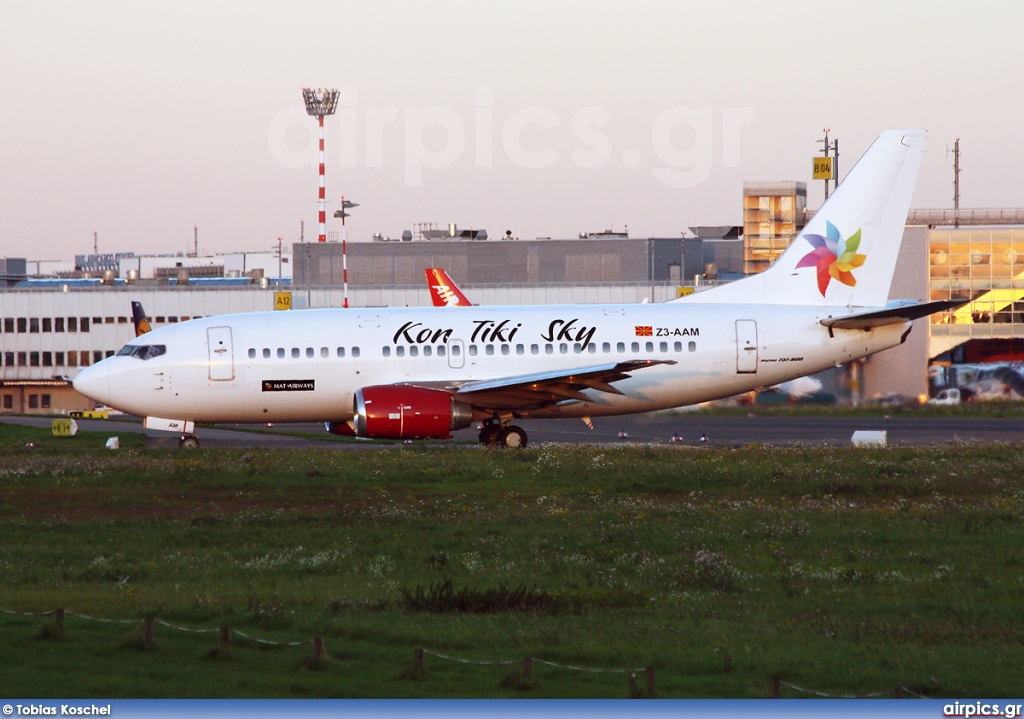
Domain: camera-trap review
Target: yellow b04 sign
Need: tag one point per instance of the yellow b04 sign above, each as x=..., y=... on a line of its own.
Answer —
x=823, y=168
x=282, y=300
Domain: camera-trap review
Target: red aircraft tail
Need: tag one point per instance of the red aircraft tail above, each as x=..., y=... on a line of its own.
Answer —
x=443, y=291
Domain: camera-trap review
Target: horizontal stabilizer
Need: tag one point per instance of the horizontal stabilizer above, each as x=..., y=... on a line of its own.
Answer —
x=890, y=315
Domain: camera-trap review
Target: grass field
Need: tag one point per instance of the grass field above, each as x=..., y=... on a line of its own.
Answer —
x=838, y=570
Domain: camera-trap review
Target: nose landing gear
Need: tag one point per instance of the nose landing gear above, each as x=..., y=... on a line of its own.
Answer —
x=189, y=441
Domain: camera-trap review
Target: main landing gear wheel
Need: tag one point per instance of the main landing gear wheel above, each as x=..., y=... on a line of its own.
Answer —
x=189, y=441
x=512, y=437
x=489, y=435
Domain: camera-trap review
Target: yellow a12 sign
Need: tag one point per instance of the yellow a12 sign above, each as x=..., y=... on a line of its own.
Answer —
x=282, y=300
x=823, y=168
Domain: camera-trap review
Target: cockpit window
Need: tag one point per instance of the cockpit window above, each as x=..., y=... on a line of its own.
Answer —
x=143, y=352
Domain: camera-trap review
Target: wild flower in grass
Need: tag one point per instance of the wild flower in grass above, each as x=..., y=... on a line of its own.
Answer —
x=381, y=565
x=709, y=570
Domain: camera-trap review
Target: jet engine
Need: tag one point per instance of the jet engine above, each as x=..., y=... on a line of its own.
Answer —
x=401, y=412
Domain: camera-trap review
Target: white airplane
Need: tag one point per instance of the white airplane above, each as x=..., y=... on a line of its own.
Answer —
x=414, y=373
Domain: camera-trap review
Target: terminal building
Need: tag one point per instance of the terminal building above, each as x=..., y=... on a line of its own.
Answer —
x=60, y=319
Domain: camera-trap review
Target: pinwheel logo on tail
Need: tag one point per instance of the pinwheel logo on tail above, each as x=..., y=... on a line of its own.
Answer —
x=834, y=257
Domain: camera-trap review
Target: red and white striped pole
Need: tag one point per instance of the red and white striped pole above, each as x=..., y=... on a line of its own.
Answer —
x=344, y=272
x=323, y=198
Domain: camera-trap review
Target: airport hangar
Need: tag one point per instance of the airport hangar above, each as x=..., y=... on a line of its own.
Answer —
x=53, y=325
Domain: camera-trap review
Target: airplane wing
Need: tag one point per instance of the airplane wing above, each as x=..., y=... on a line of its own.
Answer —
x=530, y=391
x=889, y=315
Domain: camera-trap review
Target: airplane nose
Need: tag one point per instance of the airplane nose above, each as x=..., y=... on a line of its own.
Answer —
x=94, y=383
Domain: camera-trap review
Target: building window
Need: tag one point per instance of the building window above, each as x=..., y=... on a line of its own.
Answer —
x=22, y=325
x=72, y=324
x=33, y=359
x=58, y=359
x=122, y=320
x=46, y=401
x=97, y=320
x=72, y=358
x=47, y=324
x=33, y=325
x=159, y=320
x=83, y=358
x=9, y=359
x=8, y=324
x=33, y=401
x=109, y=353
x=47, y=359
x=97, y=356
x=58, y=324
x=83, y=324
x=8, y=401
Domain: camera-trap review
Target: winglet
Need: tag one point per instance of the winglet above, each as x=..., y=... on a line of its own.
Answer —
x=443, y=290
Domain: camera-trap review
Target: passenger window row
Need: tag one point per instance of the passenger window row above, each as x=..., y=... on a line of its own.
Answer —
x=534, y=349
x=309, y=352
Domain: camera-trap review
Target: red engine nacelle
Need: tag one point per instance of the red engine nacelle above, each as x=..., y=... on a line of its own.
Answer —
x=396, y=412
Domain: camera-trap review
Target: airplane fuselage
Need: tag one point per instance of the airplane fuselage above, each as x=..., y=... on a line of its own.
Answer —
x=306, y=365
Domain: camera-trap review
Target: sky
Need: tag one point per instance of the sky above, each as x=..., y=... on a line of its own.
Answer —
x=140, y=121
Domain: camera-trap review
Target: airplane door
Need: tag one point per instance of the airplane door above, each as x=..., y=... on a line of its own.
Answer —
x=746, y=347
x=456, y=354
x=222, y=355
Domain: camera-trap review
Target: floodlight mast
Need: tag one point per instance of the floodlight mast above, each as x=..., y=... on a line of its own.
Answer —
x=320, y=103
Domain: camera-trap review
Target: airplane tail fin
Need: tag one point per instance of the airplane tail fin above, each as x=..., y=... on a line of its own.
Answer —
x=443, y=290
x=139, y=319
x=846, y=255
